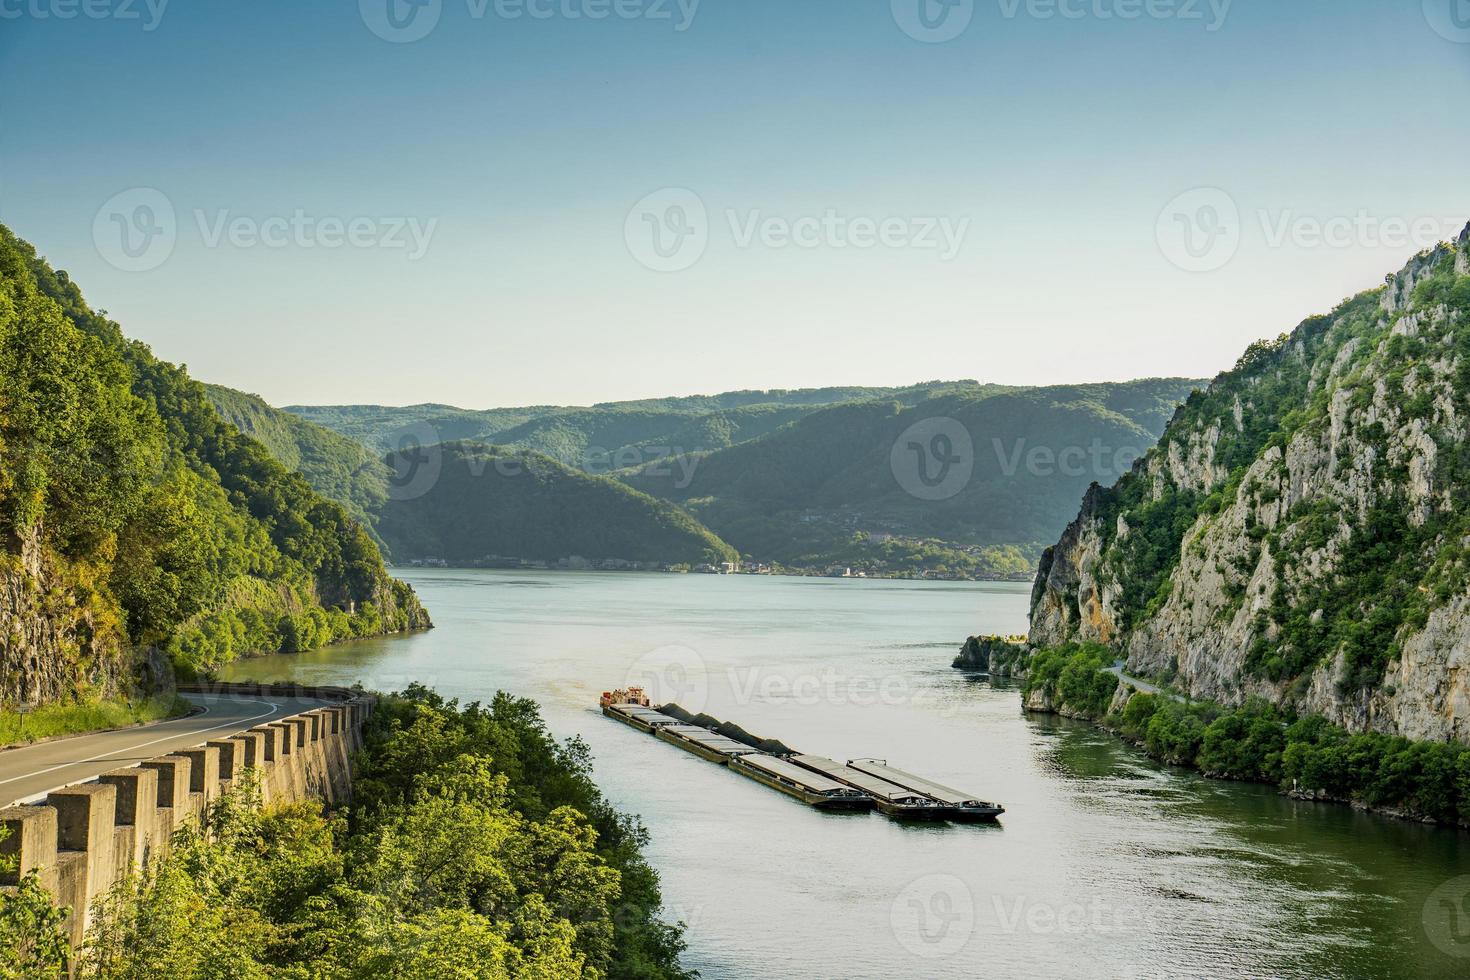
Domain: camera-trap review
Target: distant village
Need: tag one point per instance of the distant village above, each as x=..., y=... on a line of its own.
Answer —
x=577, y=563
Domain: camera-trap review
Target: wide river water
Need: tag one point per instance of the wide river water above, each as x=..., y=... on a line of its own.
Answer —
x=1105, y=863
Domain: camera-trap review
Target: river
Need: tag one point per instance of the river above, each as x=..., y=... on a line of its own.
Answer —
x=1105, y=863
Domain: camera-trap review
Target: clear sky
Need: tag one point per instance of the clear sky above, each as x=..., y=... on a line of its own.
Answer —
x=1009, y=190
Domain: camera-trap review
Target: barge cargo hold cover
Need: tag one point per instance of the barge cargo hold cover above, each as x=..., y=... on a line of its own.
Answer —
x=703, y=742
x=646, y=719
x=809, y=787
x=967, y=807
x=892, y=800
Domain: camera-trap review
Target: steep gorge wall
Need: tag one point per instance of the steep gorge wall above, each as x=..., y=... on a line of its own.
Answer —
x=1321, y=491
x=54, y=648
x=84, y=838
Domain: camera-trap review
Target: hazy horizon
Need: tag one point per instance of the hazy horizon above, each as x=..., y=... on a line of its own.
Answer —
x=699, y=394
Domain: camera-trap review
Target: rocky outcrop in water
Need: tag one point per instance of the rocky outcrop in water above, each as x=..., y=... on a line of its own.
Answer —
x=1302, y=530
x=997, y=656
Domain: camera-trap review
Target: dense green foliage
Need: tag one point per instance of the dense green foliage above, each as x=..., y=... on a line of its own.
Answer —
x=1073, y=676
x=1263, y=743
x=479, y=501
x=477, y=847
x=337, y=467
x=815, y=492
x=164, y=524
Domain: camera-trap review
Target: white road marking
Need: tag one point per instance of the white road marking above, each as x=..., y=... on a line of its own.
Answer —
x=143, y=745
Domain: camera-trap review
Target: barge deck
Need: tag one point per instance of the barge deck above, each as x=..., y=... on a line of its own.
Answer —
x=892, y=800
x=810, y=787
x=860, y=784
x=963, y=805
x=641, y=718
x=704, y=743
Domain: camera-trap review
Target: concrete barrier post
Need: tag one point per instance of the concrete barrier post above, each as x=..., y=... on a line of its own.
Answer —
x=86, y=817
x=137, y=807
x=284, y=781
x=231, y=759
x=254, y=748
x=173, y=792
x=31, y=841
x=203, y=778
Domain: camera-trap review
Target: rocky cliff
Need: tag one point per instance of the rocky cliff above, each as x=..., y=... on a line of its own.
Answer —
x=1302, y=529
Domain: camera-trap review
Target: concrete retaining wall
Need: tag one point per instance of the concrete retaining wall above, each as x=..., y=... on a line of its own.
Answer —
x=84, y=838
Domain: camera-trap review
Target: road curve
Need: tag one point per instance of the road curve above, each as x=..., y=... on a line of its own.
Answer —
x=1142, y=685
x=31, y=771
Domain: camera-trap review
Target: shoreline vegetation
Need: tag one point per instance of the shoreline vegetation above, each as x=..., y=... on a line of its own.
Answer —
x=1303, y=756
x=62, y=720
x=475, y=846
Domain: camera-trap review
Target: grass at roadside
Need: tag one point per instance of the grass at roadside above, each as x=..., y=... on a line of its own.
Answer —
x=76, y=719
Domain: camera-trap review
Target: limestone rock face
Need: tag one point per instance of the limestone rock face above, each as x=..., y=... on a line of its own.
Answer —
x=56, y=642
x=1340, y=441
x=1067, y=600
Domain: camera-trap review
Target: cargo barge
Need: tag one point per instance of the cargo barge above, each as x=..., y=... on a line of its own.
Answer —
x=704, y=743
x=892, y=800
x=631, y=707
x=817, y=781
x=643, y=719
x=959, y=804
x=809, y=787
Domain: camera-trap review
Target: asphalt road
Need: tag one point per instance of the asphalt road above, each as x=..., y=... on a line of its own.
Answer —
x=1142, y=685
x=31, y=771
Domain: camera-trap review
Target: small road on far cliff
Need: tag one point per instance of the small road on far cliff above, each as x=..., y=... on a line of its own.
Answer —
x=1142, y=685
x=29, y=771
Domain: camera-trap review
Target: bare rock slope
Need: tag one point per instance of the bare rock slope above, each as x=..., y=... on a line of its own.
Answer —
x=1301, y=531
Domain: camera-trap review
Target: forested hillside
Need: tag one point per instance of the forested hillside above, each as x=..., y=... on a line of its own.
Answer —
x=136, y=523
x=1300, y=532
x=475, y=501
x=337, y=467
x=831, y=487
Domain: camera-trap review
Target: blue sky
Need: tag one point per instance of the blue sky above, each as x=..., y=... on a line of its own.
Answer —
x=1137, y=187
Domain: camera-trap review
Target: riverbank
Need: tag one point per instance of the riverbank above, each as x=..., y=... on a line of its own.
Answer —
x=1304, y=757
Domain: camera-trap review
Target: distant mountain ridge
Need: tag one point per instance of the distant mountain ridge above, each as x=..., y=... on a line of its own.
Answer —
x=829, y=489
x=803, y=479
x=611, y=435
x=338, y=467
